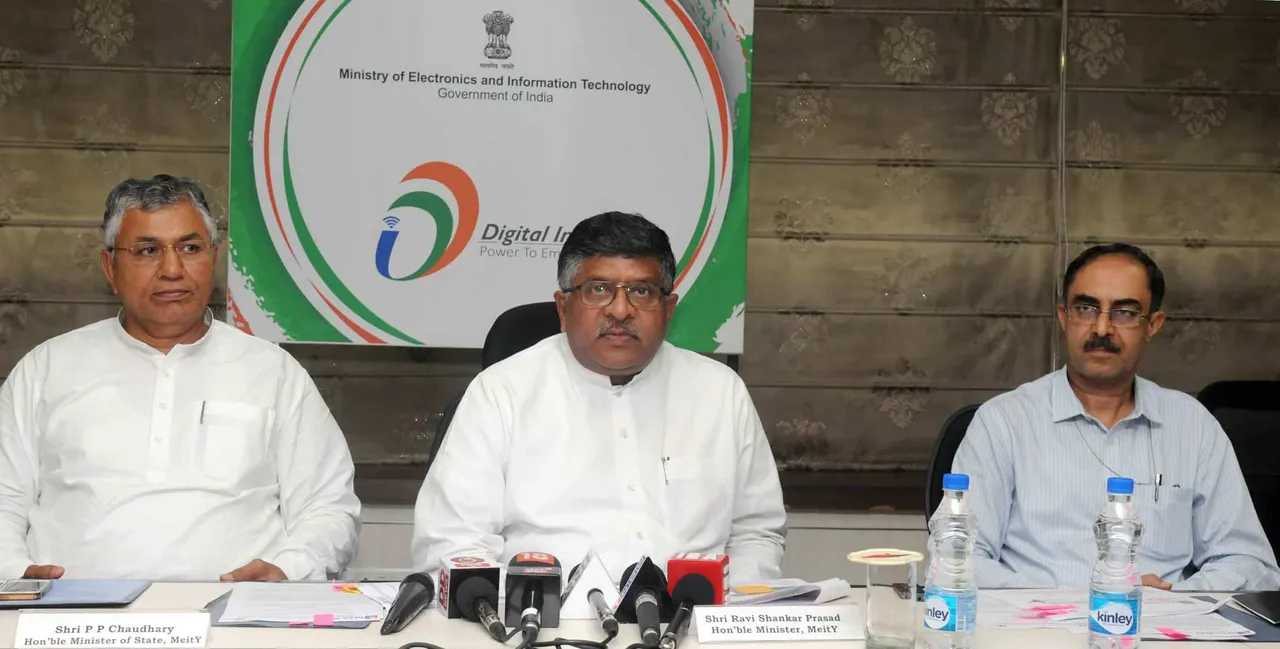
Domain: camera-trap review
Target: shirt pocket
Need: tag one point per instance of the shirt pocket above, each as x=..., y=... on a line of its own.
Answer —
x=1168, y=533
x=699, y=499
x=234, y=440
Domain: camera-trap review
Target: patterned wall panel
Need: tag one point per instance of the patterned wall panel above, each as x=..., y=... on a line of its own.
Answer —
x=1173, y=114
x=906, y=238
x=903, y=224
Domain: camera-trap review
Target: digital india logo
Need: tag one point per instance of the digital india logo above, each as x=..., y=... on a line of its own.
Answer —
x=453, y=231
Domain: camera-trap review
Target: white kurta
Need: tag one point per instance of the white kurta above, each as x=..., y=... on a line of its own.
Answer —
x=544, y=455
x=119, y=461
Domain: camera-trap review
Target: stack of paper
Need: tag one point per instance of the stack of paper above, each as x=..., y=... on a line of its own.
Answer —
x=302, y=604
x=384, y=593
x=788, y=591
x=1165, y=615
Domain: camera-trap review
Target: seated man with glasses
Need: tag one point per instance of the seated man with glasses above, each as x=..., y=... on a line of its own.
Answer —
x=1039, y=456
x=605, y=437
x=163, y=444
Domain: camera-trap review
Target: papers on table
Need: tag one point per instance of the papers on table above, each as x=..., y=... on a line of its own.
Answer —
x=384, y=593
x=788, y=591
x=1060, y=605
x=1165, y=615
x=302, y=604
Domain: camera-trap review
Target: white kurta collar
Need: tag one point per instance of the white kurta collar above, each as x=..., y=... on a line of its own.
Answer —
x=130, y=342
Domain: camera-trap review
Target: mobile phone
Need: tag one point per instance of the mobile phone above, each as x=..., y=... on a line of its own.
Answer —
x=20, y=589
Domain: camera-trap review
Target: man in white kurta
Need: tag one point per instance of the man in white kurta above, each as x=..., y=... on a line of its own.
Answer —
x=119, y=461
x=162, y=444
x=547, y=455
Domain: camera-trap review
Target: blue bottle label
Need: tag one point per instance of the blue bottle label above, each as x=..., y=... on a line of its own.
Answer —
x=950, y=610
x=1115, y=613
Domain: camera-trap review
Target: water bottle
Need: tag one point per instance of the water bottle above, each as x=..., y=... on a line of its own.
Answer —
x=950, y=592
x=1115, y=590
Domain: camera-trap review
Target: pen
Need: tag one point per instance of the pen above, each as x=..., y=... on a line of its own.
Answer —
x=1159, y=481
x=664, y=470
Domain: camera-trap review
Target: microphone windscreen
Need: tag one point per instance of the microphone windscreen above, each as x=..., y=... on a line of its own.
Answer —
x=454, y=571
x=420, y=578
x=713, y=567
x=641, y=576
x=537, y=575
x=695, y=589
x=416, y=592
x=473, y=590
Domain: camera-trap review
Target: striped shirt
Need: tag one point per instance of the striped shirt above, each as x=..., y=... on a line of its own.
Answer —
x=1038, y=466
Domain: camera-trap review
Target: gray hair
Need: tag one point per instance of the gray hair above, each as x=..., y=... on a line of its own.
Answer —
x=158, y=192
x=615, y=234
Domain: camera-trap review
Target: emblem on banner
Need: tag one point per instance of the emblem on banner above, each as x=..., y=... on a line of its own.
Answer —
x=497, y=25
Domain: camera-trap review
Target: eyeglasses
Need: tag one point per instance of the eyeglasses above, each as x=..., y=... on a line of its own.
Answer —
x=599, y=293
x=1089, y=313
x=150, y=252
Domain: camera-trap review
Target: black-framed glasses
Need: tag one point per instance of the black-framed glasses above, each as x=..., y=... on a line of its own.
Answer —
x=151, y=252
x=599, y=293
x=1089, y=313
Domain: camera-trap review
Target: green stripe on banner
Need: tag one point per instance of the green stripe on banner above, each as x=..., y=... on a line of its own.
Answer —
x=721, y=285
x=252, y=252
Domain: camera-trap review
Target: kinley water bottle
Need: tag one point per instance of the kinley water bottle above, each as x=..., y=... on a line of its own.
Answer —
x=950, y=592
x=1115, y=591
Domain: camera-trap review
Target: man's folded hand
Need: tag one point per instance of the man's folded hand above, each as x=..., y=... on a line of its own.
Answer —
x=256, y=570
x=43, y=572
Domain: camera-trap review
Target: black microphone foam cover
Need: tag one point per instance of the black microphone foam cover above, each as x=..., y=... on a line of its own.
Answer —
x=416, y=592
x=473, y=590
x=648, y=576
x=695, y=589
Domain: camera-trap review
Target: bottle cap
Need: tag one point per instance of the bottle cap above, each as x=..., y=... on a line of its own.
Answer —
x=955, y=482
x=1123, y=486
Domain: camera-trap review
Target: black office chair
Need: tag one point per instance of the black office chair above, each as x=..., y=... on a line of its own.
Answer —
x=944, y=451
x=1249, y=412
x=516, y=330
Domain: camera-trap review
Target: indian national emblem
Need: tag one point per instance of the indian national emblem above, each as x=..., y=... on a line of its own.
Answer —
x=498, y=24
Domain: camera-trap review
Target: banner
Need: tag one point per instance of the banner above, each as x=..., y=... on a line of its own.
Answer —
x=402, y=172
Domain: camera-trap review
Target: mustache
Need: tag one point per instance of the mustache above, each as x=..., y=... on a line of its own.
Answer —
x=1104, y=343
x=612, y=323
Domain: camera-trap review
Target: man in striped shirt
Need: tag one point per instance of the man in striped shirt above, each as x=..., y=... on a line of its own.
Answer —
x=1039, y=456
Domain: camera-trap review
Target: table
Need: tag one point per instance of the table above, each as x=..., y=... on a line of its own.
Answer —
x=432, y=627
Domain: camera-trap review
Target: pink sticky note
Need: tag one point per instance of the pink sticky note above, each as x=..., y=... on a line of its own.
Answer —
x=1172, y=634
x=323, y=619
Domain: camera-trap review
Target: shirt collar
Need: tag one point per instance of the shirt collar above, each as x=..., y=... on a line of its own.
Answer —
x=187, y=348
x=1066, y=404
x=601, y=381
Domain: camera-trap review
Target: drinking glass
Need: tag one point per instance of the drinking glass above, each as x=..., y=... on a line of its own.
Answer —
x=890, y=607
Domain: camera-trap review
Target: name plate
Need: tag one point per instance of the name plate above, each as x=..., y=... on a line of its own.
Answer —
x=114, y=630
x=777, y=623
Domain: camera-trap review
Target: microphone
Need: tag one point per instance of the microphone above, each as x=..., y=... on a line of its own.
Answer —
x=458, y=570
x=644, y=600
x=714, y=567
x=533, y=592
x=478, y=600
x=416, y=592
x=692, y=590
x=608, y=623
